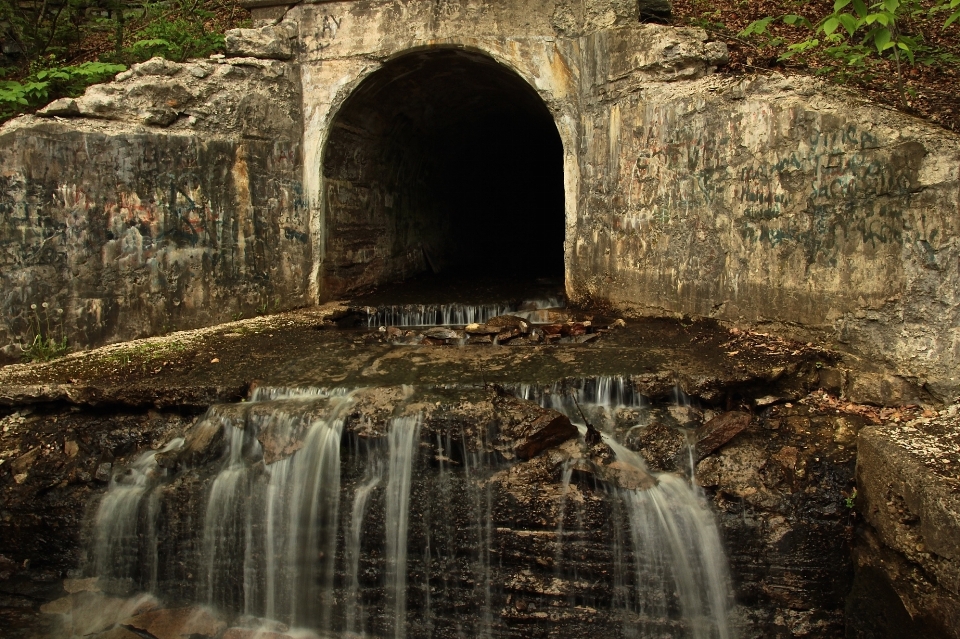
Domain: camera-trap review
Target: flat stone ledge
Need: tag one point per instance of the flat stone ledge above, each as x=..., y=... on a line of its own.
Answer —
x=908, y=479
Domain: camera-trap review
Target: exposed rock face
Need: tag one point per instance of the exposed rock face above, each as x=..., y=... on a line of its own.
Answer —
x=777, y=485
x=908, y=557
x=173, y=201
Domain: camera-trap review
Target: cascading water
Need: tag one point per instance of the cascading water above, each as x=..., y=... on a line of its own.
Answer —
x=402, y=436
x=415, y=528
x=678, y=555
x=124, y=525
x=458, y=314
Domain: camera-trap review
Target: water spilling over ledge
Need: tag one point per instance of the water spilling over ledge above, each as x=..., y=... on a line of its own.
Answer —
x=526, y=495
x=318, y=519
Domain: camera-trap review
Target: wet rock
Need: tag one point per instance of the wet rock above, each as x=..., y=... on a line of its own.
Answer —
x=203, y=442
x=552, y=329
x=509, y=322
x=103, y=472
x=574, y=329
x=481, y=329
x=531, y=429
x=86, y=613
x=660, y=445
x=283, y=427
x=626, y=476
x=176, y=623
x=880, y=389
x=393, y=332
x=720, y=430
x=81, y=585
x=441, y=332
x=508, y=333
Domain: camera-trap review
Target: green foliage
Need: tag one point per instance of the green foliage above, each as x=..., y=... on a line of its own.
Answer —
x=48, y=341
x=851, y=500
x=857, y=35
x=44, y=85
x=52, y=37
x=175, y=31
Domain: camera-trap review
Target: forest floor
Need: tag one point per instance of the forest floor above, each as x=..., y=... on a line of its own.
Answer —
x=930, y=89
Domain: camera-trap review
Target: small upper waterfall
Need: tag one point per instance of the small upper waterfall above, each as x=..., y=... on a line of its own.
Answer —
x=459, y=314
x=316, y=519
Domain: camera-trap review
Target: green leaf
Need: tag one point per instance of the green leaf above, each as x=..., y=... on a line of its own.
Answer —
x=849, y=23
x=860, y=8
x=830, y=25
x=840, y=4
x=757, y=27
x=953, y=18
x=891, y=5
x=881, y=39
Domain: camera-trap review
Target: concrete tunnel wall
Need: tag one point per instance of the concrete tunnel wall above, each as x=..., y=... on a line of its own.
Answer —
x=780, y=202
x=443, y=159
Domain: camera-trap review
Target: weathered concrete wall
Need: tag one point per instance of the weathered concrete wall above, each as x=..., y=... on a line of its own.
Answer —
x=774, y=200
x=758, y=200
x=174, y=202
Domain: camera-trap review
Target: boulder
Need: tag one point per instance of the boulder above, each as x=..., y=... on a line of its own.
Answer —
x=526, y=429
x=720, y=430
x=64, y=107
x=178, y=623
x=272, y=42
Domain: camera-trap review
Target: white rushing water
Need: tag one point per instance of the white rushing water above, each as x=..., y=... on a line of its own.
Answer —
x=124, y=525
x=274, y=544
x=354, y=612
x=403, y=434
x=678, y=556
x=458, y=314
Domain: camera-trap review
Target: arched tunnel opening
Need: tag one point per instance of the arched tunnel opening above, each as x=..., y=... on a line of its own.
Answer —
x=442, y=162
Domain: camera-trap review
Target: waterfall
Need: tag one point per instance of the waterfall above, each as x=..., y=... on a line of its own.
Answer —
x=301, y=524
x=417, y=531
x=678, y=556
x=402, y=435
x=458, y=314
x=361, y=497
x=118, y=553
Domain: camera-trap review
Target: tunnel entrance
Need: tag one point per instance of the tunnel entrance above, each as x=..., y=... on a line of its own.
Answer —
x=444, y=162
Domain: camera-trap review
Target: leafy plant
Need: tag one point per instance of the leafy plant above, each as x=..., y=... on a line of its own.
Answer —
x=857, y=34
x=851, y=500
x=48, y=342
x=51, y=46
x=175, y=31
x=48, y=84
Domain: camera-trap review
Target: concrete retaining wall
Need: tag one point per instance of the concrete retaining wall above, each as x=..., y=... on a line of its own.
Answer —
x=757, y=200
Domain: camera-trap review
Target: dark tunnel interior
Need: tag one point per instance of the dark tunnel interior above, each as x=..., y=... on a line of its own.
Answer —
x=442, y=161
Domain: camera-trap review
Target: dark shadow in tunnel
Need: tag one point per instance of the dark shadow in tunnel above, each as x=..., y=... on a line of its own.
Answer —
x=442, y=161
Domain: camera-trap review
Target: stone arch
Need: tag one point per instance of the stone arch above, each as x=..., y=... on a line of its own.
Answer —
x=375, y=226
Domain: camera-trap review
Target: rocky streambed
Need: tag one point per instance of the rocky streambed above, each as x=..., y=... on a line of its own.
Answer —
x=832, y=488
